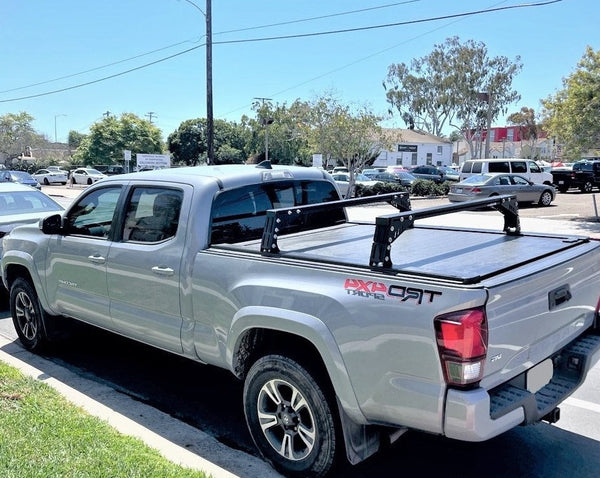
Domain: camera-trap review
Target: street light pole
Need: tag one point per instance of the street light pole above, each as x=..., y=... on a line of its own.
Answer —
x=55, y=136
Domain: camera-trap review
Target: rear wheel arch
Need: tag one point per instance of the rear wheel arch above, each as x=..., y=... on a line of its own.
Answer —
x=258, y=342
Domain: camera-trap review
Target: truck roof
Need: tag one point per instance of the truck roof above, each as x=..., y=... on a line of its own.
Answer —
x=228, y=175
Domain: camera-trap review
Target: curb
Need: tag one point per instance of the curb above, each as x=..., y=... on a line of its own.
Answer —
x=176, y=441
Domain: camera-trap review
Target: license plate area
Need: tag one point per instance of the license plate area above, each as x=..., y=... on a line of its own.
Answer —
x=538, y=376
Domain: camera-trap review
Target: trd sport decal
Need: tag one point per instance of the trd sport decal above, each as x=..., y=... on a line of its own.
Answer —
x=381, y=291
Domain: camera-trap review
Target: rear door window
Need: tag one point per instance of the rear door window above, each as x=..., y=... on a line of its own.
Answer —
x=239, y=214
x=519, y=167
x=499, y=167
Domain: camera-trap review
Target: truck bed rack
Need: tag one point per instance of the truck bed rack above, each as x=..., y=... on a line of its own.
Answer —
x=387, y=227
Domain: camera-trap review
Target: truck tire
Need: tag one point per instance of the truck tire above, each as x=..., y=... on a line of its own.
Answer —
x=563, y=189
x=545, y=198
x=586, y=187
x=28, y=317
x=290, y=417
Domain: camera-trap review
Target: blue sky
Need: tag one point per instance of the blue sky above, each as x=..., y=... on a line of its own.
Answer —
x=48, y=46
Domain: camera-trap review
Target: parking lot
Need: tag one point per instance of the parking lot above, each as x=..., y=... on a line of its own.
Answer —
x=163, y=381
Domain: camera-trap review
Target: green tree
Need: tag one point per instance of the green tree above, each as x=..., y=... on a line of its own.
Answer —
x=75, y=139
x=17, y=136
x=572, y=115
x=345, y=135
x=111, y=136
x=284, y=126
x=528, y=125
x=455, y=85
x=188, y=143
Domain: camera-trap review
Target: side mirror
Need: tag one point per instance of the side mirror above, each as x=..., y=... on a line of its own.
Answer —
x=51, y=224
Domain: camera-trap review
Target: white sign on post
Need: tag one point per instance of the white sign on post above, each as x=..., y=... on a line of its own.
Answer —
x=153, y=161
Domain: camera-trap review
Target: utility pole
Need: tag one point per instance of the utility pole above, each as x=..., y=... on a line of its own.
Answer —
x=150, y=115
x=210, y=153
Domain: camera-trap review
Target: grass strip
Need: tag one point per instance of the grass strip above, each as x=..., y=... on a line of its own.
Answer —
x=43, y=435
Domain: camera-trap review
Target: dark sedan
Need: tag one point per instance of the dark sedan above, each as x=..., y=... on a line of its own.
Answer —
x=20, y=177
x=486, y=185
x=430, y=173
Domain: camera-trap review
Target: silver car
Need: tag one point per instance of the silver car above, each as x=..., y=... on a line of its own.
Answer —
x=20, y=204
x=487, y=185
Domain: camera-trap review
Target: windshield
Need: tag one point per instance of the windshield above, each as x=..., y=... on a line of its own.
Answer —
x=25, y=202
x=477, y=179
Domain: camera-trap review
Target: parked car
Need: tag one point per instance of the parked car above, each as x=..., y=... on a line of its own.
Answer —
x=430, y=173
x=48, y=176
x=396, y=169
x=450, y=174
x=372, y=171
x=487, y=185
x=528, y=168
x=21, y=177
x=110, y=169
x=343, y=181
x=19, y=204
x=404, y=178
x=86, y=176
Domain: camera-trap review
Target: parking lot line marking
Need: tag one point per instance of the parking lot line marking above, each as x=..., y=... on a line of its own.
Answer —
x=576, y=402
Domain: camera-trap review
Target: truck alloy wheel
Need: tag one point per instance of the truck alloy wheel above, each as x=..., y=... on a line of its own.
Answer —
x=587, y=187
x=289, y=417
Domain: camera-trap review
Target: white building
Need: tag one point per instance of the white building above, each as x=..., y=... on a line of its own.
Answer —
x=416, y=148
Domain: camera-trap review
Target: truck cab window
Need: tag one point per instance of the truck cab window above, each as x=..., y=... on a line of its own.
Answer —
x=239, y=214
x=152, y=214
x=93, y=214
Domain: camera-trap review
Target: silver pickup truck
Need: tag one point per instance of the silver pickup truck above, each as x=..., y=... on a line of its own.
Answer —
x=346, y=334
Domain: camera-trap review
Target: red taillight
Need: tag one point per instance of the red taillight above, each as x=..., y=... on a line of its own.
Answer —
x=476, y=190
x=462, y=339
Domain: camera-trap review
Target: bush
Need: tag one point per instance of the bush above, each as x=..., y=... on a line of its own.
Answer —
x=425, y=187
x=379, y=188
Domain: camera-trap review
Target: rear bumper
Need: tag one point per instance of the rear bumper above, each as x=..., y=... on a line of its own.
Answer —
x=478, y=415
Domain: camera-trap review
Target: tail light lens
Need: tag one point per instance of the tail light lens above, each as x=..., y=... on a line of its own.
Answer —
x=462, y=340
x=476, y=190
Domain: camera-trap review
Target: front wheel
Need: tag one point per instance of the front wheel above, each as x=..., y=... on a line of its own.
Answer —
x=290, y=417
x=545, y=198
x=46, y=182
x=27, y=315
x=586, y=187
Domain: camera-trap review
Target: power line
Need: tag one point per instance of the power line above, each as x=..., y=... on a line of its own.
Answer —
x=310, y=19
x=389, y=25
x=331, y=32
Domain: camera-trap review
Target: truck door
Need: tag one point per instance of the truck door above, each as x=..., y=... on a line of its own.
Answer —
x=144, y=264
x=76, y=266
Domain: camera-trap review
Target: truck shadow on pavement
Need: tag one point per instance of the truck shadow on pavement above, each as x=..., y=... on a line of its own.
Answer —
x=210, y=400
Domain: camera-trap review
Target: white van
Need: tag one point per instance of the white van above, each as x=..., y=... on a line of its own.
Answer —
x=527, y=168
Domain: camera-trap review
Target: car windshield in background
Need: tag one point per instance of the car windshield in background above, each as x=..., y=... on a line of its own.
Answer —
x=24, y=202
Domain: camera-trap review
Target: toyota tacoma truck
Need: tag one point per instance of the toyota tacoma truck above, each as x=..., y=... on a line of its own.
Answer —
x=346, y=333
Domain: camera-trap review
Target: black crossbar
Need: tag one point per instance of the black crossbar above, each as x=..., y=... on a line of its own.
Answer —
x=389, y=227
x=279, y=219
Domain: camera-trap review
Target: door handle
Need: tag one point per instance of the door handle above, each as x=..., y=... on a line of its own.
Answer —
x=97, y=259
x=163, y=271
